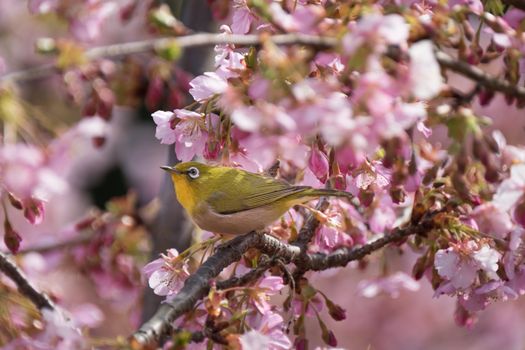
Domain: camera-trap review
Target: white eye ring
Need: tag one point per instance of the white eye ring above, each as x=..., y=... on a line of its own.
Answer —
x=193, y=172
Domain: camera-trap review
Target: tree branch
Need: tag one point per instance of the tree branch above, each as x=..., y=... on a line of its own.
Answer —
x=342, y=256
x=9, y=268
x=156, y=330
x=208, y=39
x=197, y=285
x=476, y=74
x=82, y=238
x=192, y=40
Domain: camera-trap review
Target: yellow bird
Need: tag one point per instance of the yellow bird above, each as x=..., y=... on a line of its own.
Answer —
x=233, y=201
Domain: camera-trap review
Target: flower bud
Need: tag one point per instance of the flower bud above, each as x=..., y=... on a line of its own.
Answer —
x=301, y=344
x=33, y=210
x=397, y=194
x=154, y=93
x=485, y=97
x=419, y=267
x=463, y=317
x=519, y=212
x=105, y=99
x=318, y=163
x=366, y=197
x=336, y=311
x=430, y=175
x=327, y=335
x=480, y=150
x=460, y=185
x=90, y=108
x=211, y=149
x=491, y=143
x=11, y=238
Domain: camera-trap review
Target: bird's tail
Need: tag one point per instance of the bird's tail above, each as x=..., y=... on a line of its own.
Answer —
x=329, y=192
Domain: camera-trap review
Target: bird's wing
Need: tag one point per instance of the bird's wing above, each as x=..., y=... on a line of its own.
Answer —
x=251, y=191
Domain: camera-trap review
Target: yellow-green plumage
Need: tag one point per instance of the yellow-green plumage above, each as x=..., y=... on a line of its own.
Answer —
x=233, y=201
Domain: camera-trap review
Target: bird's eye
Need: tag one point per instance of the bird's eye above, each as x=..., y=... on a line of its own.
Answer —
x=193, y=172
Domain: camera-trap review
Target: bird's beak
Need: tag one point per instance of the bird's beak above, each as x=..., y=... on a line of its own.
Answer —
x=170, y=169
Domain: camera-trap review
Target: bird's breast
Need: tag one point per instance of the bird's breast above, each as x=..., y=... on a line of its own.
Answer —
x=237, y=223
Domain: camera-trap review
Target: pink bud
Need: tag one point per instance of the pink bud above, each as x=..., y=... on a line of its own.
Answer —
x=366, y=197
x=332, y=340
x=183, y=79
x=485, y=97
x=301, y=344
x=127, y=11
x=519, y=213
x=11, y=238
x=154, y=93
x=106, y=101
x=336, y=311
x=318, y=163
x=90, y=108
x=463, y=317
x=33, y=210
x=175, y=98
x=211, y=150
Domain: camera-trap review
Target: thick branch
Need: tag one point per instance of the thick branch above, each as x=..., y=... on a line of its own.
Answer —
x=197, y=285
x=342, y=256
x=9, y=268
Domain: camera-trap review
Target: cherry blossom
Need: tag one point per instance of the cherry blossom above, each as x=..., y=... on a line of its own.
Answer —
x=512, y=189
x=425, y=75
x=261, y=292
x=460, y=264
x=166, y=274
x=267, y=333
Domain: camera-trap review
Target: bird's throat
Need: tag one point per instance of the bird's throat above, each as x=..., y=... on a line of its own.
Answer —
x=184, y=193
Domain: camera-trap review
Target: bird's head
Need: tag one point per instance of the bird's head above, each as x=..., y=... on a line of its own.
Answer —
x=191, y=181
x=188, y=171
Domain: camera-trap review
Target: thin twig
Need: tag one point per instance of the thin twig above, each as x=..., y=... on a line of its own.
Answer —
x=82, y=238
x=9, y=268
x=476, y=74
x=192, y=40
x=248, y=277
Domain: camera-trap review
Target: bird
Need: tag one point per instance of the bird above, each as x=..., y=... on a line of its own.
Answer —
x=232, y=201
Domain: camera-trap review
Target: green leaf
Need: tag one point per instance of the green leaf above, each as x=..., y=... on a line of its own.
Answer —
x=251, y=58
x=496, y=7
x=181, y=339
x=459, y=126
